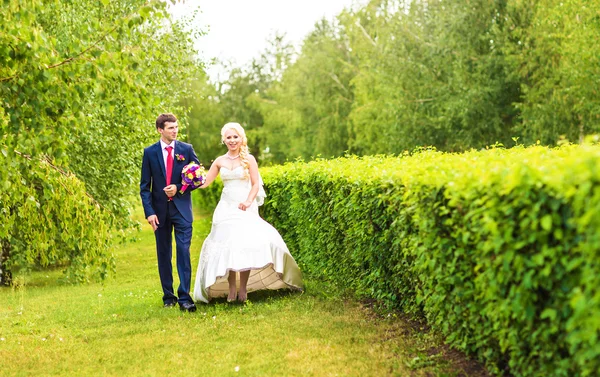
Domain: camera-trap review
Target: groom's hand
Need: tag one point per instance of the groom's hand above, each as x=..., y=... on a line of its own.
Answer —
x=153, y=221
x=170, y=190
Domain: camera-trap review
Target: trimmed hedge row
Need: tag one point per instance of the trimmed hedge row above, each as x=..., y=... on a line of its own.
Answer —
x=498, y=249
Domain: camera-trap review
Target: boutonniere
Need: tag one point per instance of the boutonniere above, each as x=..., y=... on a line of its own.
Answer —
x=179, y=157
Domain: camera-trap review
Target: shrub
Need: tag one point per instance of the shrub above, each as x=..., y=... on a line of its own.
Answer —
x=498, y=249
x=48, y=220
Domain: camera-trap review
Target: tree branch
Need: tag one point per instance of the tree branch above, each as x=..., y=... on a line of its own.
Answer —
x=46, y=160
x=337, y=81
x=8, y=78
x=422, y=100
x=365, y=33
x=75, y=57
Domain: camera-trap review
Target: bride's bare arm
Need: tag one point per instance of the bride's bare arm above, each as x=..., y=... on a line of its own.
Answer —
x=212, y=173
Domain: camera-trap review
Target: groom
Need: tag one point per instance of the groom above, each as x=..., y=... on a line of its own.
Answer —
x=166, y=208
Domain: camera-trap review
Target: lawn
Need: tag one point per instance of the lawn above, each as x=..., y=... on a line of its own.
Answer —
x=119, y=328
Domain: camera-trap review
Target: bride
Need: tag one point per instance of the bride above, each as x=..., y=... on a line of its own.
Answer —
x=240, y=241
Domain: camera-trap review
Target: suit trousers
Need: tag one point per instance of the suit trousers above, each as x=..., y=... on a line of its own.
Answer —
x=164, y=250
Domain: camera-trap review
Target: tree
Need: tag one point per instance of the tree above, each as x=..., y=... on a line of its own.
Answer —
x=430, y=73
x=555, y=50
x=237, y=99
x=205, y=119
x=80, y=86
x=306, y=111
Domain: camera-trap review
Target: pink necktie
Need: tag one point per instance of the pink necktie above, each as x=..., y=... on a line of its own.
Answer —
x=169, y=164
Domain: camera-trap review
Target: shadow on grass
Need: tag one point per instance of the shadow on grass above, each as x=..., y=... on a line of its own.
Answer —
x=259, y=297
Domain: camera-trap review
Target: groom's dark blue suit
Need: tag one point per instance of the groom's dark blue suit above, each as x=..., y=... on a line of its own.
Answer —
x=172, y=214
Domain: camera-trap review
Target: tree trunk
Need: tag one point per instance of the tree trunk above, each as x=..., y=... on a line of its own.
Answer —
x=5, y=274
x=581, y=133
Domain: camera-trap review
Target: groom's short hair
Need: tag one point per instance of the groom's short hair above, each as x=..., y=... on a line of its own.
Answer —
x=164, y=118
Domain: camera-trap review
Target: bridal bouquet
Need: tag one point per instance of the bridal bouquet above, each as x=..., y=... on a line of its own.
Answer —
x=192, y=175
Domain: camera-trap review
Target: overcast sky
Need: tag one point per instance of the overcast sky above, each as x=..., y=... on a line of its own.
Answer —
x=237, y=30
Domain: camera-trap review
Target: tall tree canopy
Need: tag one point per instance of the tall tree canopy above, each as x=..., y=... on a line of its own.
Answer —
x=393, y=75
x=81, y=83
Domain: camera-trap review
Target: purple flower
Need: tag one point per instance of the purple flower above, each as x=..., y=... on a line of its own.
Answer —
x=192, y=175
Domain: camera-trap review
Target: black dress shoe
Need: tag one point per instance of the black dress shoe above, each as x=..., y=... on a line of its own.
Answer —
x=169, y=304
x=188, y=306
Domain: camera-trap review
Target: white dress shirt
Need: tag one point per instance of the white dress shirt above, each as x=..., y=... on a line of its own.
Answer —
x=165, y=153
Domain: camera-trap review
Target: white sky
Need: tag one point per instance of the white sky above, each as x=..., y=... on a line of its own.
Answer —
x=238, y=30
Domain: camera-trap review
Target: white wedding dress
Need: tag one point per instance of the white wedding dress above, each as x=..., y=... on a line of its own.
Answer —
x=240, y=241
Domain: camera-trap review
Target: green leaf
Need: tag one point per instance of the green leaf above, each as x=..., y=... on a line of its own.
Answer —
x=145, y=11
x=546, y=222
x=549, y=314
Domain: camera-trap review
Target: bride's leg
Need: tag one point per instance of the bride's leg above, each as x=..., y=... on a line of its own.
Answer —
x=232, y=287
x=243, y=283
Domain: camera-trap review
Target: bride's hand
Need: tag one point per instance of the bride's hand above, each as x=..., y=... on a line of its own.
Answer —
x=244, y=205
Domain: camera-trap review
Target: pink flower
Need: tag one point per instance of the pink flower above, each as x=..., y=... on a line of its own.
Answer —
x=192, y=175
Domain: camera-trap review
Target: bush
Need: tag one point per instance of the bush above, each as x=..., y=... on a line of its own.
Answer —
x=498, y=249
x=48, y=220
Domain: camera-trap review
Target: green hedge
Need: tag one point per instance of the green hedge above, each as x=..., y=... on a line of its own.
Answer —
x=498, y=249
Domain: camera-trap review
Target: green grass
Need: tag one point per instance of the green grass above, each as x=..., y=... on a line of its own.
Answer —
x=120, y=328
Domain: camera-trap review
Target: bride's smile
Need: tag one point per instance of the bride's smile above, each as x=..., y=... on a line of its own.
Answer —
x=232, y=140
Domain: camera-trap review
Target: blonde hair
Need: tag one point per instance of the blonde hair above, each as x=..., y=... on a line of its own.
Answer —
x=243, y=148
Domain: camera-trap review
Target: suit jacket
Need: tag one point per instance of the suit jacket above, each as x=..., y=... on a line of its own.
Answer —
x=153, y=181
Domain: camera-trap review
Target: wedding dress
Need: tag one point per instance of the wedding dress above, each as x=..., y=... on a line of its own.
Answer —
x=240, y=241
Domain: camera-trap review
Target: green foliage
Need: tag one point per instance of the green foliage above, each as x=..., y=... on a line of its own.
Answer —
x=392, y=75
x=557, y=56
x=238, y=98
x=205, y=119
x=87, y=79
x=48, y=220
x=498, y=248
x=306, y=113
x=430, y=74
x=81, y=84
